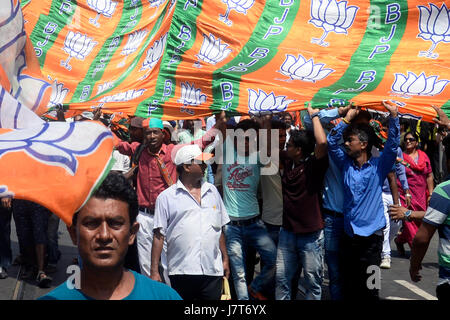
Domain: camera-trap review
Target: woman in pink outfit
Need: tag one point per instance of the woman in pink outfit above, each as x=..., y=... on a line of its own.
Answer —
x=421, y=185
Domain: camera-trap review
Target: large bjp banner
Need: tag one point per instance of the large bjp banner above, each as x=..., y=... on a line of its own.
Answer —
x=190, y=58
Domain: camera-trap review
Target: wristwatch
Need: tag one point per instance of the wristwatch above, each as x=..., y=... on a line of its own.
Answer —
x=408, y=215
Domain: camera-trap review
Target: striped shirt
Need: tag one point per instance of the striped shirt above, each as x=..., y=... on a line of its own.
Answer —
x=438, y=216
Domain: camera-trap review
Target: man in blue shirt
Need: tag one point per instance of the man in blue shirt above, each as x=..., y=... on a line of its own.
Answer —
x=363, y=206
x=332, y=206
x=103, y=230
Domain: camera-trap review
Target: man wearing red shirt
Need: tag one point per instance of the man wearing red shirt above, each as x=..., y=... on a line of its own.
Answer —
x=156, y=172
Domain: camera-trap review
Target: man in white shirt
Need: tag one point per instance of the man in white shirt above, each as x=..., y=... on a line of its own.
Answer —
x=190, y=215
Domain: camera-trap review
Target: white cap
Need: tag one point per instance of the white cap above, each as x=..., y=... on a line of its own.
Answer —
x=189, y=152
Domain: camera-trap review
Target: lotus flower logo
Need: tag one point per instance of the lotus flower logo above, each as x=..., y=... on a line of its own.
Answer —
x=434, y=26
x=421, y=85
x=212, y=50
x=331, y=16
x=154, y=53
x=58, y=145
x=103, y=7
x=300, y=69
x=261, y=102
x=77, y=45
x=240, y=6
x=134, y=41
x=58, y=94
x=191, y=96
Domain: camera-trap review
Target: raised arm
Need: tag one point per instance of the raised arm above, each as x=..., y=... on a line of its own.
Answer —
x=441, y=119
x=210, y=135
x=387, y=159
x=326, y=115
x=126, y=148
x=320, y=149
x=335, y=135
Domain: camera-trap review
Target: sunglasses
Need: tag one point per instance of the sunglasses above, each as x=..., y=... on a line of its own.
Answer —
x=410, y=139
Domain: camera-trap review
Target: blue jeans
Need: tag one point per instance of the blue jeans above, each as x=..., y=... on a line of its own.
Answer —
x=256, y=236
x=299, y=251
x=334, y=231
x=274, y=232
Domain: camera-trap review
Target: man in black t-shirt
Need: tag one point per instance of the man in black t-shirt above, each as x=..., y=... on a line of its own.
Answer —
x=301, y=236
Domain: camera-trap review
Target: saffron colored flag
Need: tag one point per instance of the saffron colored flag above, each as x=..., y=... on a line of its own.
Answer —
x=188, y=58
x=59, y=164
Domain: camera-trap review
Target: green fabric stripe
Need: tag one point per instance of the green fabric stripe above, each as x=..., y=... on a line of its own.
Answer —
x=144, y=47
x=23, y=3
x=175, y=48
x=360, y=61
x=444, y=260
x=446, y=108
x=48, y=27
x=273, y=12
x=440, y=190
x=85, y=88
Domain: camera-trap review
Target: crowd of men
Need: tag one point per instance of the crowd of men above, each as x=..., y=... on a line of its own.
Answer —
x=211, y=198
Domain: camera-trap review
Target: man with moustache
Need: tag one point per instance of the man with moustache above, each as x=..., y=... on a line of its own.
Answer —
x=193, y=226
x=103, y=230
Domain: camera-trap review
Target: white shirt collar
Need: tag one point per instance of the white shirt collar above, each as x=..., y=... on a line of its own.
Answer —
x=203, y=189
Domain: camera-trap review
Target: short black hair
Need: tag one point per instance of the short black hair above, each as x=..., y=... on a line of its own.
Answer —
x=116, y=186
x=180, y=170
x=278, y=124
x=413, y=133
x=364, y=132
x=247, y=124
x=363, y=115
x=303, y=139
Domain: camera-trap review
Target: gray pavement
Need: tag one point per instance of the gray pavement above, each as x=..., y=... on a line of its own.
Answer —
x=14, y=288
x=395, y=282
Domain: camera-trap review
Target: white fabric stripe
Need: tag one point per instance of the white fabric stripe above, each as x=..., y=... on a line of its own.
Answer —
x=435, y=216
